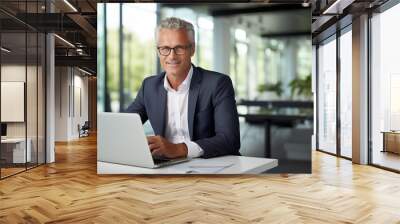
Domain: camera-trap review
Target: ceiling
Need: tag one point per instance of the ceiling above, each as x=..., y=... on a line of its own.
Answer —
x=76, y=24
x=274, y=24
x=330, y=16
x=264, y=19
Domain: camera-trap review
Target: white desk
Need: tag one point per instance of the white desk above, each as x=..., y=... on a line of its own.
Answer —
x=240, y=165
x=18, y=153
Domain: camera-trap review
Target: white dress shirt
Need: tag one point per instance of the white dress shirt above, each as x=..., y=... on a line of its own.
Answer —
x=177, y=128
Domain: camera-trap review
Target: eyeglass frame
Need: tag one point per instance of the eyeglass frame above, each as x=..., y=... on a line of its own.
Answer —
x=174, y=49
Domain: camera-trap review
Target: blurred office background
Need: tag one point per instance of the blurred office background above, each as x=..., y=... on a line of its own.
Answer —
x=265, y=49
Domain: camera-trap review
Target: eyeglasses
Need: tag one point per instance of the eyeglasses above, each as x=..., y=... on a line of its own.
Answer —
x=179, y=50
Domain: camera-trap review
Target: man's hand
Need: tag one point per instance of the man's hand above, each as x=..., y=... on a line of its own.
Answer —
x=160, y=146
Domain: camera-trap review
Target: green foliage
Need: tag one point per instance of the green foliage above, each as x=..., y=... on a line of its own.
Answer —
x=277, y=88
x=301, y=86
x=139, y=61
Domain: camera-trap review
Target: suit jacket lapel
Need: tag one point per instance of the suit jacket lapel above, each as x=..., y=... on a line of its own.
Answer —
x=162, y=106
x=193, y=95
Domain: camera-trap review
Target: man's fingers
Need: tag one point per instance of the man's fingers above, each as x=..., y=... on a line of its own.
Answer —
x=151, y=139
x=153, y=146
x=156, y=152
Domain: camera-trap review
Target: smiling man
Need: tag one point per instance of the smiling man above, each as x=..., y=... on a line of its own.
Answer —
x=192, y=110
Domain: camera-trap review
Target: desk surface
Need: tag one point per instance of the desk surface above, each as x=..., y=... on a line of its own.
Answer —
x=277, y=103
x=391, y=132
x=239, y=165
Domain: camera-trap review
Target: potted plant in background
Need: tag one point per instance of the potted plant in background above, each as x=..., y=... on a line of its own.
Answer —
x=270, y=91
x=301, y=88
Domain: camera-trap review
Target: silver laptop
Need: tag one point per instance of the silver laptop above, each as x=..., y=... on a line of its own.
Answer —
x=121, y=139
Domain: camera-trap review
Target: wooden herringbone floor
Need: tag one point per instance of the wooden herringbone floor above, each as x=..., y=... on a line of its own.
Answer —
x=70, y=191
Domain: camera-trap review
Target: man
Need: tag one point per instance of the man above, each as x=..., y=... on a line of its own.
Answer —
x=192, y=110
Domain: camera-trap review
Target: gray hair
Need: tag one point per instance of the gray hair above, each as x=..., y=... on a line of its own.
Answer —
x=176, y=24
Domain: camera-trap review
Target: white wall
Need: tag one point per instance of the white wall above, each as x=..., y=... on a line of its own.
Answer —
x=61, y=103
x=12, y=73
x=71, y=102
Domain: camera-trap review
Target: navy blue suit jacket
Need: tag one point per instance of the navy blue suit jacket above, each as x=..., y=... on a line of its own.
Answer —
x=212, y=115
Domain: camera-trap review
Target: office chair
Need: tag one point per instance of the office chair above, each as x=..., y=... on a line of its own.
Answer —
x=84, y=130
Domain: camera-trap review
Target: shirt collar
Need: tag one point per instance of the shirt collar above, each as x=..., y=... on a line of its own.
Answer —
x=184, y=86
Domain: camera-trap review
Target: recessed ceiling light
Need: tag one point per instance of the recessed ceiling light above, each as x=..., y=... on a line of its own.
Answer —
x=5, y=50
x=337, y=7
x=70, y=5
x=84, y=71
x=64, y=40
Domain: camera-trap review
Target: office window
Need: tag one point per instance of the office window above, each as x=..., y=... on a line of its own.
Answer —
x=126, y=52
x=139, y=47
x=113, y=55
x=385, y=88
x=242, y=90
x=248, y=64
x=261, y=62
x=327, y=96
x=303, y=57
x=238, y=63
x=101, y=57
x=346, y=94
x=256, y=74
x=273, y=55
x=205, y=41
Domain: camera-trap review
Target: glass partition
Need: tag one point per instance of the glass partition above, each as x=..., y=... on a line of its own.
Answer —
x=346, y=93
x=23, y=87
x=14, y=153
x=327, y=96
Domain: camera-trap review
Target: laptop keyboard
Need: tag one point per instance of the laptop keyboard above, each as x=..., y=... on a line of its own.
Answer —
x=160, y=159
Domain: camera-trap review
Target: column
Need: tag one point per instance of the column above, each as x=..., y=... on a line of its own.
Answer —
x=221, y=45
